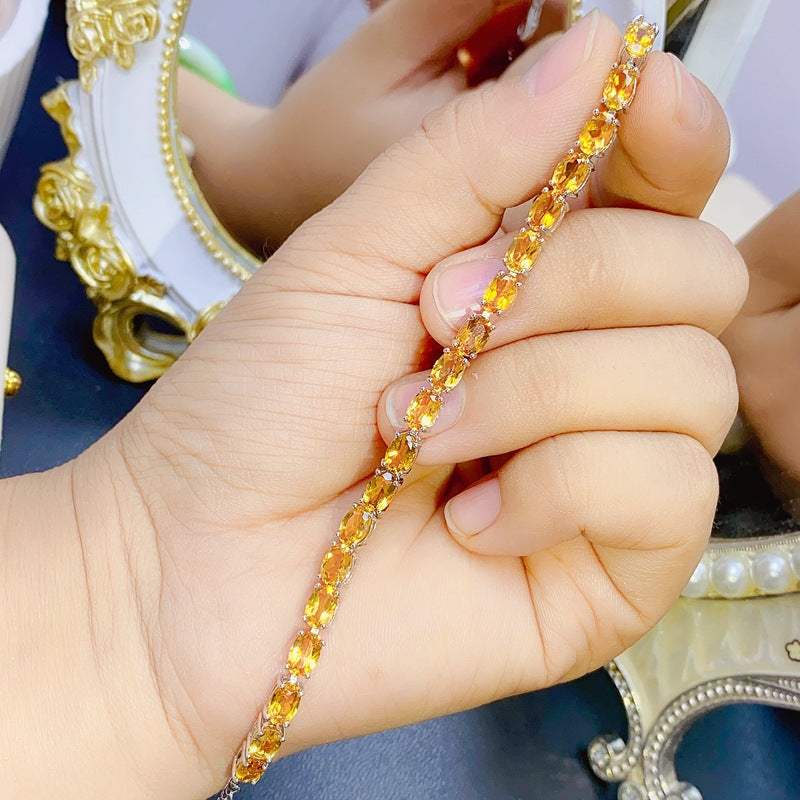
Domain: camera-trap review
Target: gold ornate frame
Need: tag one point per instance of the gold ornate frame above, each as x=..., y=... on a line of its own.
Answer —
x=73, y=195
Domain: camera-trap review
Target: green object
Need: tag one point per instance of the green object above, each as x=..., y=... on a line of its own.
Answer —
x=203, y=61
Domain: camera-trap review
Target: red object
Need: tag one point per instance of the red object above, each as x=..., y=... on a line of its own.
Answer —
x=494, y=45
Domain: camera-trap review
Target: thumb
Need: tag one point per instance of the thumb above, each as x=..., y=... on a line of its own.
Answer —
x=444, y=188
x=404, y=35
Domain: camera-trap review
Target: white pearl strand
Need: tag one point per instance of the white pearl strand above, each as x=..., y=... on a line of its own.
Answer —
x=734, y=575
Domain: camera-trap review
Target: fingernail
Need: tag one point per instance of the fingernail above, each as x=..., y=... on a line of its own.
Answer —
x=458, y=288
x=474, y=510
x=565, y=56
x=692, y=105
x=402, y=394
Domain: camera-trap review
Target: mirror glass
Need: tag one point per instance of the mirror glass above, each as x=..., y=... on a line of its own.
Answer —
x=281, y=105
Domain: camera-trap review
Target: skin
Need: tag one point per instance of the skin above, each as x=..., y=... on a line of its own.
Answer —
x=763, y=344
x=291, y=161
x=151, y=587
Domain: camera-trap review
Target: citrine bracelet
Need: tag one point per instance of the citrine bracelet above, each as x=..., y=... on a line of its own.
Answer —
x=547, y=209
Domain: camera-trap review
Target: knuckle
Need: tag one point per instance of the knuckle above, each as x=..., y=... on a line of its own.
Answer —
x=695, y=482
x=733, y=280
x=716, y=373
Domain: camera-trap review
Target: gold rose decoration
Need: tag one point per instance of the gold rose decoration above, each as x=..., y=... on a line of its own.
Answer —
x=65, y=202
x=108, y=29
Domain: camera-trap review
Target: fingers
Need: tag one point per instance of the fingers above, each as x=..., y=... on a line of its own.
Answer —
x=672, y=146
x=604, y=268
x=632, y=491
x=445, y=187
x=672, y=378
x=404, y=37
x=772, y=253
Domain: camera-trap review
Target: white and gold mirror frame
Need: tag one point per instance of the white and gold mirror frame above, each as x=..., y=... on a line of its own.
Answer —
x=123, y=203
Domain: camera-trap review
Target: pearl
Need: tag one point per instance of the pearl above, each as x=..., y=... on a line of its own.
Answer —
x=796, y=561
x=771, y=573
x=698, y=583
x=729, y=576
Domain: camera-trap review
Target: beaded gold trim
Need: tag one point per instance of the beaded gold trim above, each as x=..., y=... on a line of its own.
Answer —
x=547, y=209
x=213, y=236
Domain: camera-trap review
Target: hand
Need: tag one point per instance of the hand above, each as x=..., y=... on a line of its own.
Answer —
x=764, y=342
x=265, y=171
x=201, y=519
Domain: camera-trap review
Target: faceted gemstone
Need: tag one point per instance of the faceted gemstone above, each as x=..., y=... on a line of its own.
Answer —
x=250, y=772
x=336, y=565
x=547, y=209
x=321, y=606
x=448, y=370
x=264, y=746
x=379, y=492
x=304, y=653
x=423, y=410
x=571, y=174
x=284, y=703
x=400, y=454
x=620, y=87
x=597, y=134
x=523, y=252
x=639, y=37
x=473, y=336
x=501, y=293
x=356, y=526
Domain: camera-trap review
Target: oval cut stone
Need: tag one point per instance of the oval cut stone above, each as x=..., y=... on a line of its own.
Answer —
x=250, y=772
x=547, y=210
x=321, y=606
x=400, y=455
x=639, y=37
x=336, y=565
x=448, y=371
x=523, y=252
x=423, y=410
x=304, y=653
x=501, y=293
x=472, y=336
x=597, y=134
x=379, y=492
x=571, y=174
x=284, y=703
x=264, y=746
x=620, y=87
x=356, y=526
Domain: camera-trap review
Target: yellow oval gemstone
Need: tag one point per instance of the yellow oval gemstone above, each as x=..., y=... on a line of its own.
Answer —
x=321, y=606
x=379, y=492
x=356, y=526
x=264, y=746
x=523, y=252
x=571, y=174
x=400, y=454
x=620, y=87
x=448, y=370
x=304, y=653
x=472, y=336
x=597, y=133
x=547, y=210
x=284, y=703
x=639, y=37
x=336, y=565
x=423, y=410
x=250, y=772
x=501, y=293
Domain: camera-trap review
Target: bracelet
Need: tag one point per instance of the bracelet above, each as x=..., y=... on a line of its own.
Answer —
x=547, y=210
